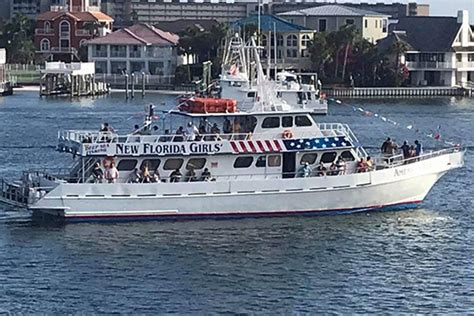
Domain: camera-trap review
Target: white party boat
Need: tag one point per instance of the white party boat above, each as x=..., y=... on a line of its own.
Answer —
x=239, y=80
x=266, y=166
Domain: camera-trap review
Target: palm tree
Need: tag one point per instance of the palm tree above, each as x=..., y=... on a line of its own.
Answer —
x=398, y=49
x=93, y=28
x=349, y=35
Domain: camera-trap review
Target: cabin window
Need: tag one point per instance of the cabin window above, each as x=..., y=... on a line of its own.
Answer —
x=271, y=122
x=328, y=157
x=287, y=121
x=274, y=161
x=261, y=162
x=302, y=121
x=309, y=158
x=347, y=156
x=243, y=162
x=152, y=164
x=173, y=164
x=127, y=164
x=195, y=163
x=251, y=94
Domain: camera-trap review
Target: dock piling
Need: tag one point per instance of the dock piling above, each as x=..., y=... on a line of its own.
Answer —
x=126, y=86
x=143, y=84
x=133, y=85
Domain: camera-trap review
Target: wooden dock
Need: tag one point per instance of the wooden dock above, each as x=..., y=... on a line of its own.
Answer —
x=376, y=92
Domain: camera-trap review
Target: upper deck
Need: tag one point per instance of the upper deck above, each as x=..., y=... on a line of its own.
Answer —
x=94, y=143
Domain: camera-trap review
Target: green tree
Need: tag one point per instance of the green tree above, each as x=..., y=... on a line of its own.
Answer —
x=16, y=36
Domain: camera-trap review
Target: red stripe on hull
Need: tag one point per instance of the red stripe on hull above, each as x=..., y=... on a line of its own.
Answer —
x=234, y=147
x=260, y=145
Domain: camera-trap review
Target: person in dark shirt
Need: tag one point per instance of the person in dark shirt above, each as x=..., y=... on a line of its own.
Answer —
x=97, y=173
x=175, y=176
x=405, y=150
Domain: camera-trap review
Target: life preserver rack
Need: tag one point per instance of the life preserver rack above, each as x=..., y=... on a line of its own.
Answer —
x=208, y=105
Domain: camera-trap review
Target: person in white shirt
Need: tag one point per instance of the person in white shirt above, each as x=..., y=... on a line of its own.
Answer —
x=112, y=173
x=191, y=131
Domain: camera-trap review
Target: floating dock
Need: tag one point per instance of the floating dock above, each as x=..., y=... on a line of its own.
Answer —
x=395, y=92
x=72, y=79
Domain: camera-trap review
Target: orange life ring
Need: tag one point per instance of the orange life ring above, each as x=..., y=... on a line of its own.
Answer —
x=323, y=96
x=287, y=134
x=107, y=161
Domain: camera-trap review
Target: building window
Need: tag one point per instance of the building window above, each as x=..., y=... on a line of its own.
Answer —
x=118, y=67
x=366, y=23
x=137, y=66
x=292, y=53
x=384, y=26
x=410, y=57
x=118, y=51
x=135, y=51
x=263, y=40
x=99, y=51
x=459, y=58
x=349, y=21
x=304, y=53
x=292, y=40
x=47, y=27
x=322, y=25
x=305, y=40
x=280, y=40
x=376, y=23
x=64, y=43
x=44, y=45
x=82, y=42
x=65, y=29
x=101, y=67
x=156, y=68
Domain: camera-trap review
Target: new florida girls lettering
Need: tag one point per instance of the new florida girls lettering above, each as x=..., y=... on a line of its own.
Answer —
x=167, y=148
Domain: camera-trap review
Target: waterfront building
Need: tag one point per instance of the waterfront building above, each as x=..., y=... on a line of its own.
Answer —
x=439, y=51
x=371, y=25
x=32, y=8
x=395, y=10
x=290, y=45
x=136, y=49
x=60, y=33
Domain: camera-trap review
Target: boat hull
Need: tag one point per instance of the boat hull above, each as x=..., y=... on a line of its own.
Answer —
x=402, y=186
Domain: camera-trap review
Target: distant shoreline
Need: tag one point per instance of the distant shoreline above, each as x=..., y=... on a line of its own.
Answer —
x=35, y=88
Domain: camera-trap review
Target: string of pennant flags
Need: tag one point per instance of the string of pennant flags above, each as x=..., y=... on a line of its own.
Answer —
x=435, y=135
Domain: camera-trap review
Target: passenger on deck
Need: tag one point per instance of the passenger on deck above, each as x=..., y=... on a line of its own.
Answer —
x=341, y=165
x=146, y=176
x=321, y=170
x=305, y=171
x=111, y=173
x=418, y=148
x=333, y=169
x=156, y=176
x=191, y=131
x=135, y=176
x=361, y=166
x=369, y=164
x=191, y=175
x=215, y=131
x=175, y=176
x=387, y=147
x=180, y=133
x=405, y=150
x=412, y=151
x=227, y=127
x=206, y=175
x=203, y=123
x=97, y=173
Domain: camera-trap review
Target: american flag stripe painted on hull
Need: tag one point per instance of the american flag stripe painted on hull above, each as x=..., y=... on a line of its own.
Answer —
x=252, y=146
x=260, y=145
x=277, y=145
x=242, y=146
x=234, y=147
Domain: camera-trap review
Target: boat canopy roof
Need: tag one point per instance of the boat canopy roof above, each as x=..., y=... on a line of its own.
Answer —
x=242, y=113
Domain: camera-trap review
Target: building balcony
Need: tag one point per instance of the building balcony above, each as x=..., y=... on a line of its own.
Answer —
x=465, y=64
x=418, y=65
x=63, y=50
x=44, y=32
x=83, y=33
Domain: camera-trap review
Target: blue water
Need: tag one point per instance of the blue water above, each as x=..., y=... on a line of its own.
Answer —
x=414, y=261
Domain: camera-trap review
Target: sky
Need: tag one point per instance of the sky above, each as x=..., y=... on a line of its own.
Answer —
x=437, y=7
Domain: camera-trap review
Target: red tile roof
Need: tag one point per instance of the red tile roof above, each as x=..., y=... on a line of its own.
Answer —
x=78, y=16
x=138, y=34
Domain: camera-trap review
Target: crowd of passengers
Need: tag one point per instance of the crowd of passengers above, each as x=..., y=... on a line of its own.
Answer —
x=390, y=148
x=111, y=175
x=335, y=168
x=241, y=127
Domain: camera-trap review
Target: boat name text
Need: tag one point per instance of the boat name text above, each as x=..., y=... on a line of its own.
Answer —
x=164, y=149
